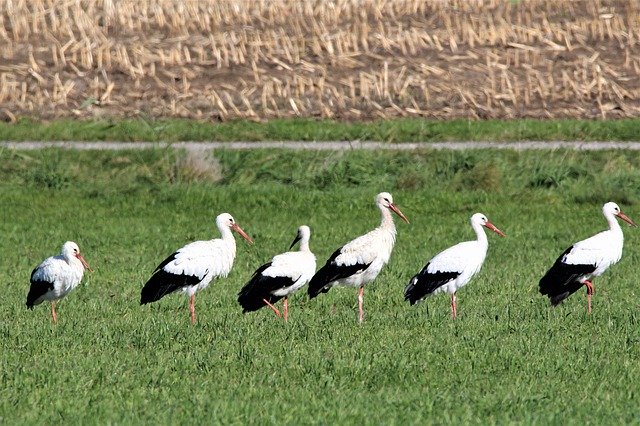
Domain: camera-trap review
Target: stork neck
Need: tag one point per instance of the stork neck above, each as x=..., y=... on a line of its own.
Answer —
x=480, y=234
x=73, y=261
x=227, y=235
x=614, y=226
x=387, y=218
x=304, y=245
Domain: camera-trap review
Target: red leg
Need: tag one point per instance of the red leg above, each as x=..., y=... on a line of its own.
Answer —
x=192, y=308
x=286, y=309
x=454, y=308
x=590, y=291
x=53, y=312
x=360, y=303
x=273, y=308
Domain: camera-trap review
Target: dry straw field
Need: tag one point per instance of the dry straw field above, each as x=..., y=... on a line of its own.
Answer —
x=343, y=59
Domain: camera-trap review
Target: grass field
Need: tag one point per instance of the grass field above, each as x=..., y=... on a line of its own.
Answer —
x=392, y=131
x=508, y=358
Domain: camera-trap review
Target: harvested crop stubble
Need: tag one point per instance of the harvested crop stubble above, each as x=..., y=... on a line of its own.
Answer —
x=346, y=59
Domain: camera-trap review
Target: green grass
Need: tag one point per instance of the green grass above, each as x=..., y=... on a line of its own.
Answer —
x=509, y=358
x=402, y=130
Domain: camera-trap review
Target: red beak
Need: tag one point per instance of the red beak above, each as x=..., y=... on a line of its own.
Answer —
x=84, y=262
x=626, y=219
x=397, y=211
x=491, y=226
x=239, y=230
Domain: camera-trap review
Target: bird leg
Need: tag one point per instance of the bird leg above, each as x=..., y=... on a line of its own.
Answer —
x=273, y=308
x=53, y=312
x=454, y=308
x=192, y=308
x=590, y=291
x=360, y=303
x=286, y=309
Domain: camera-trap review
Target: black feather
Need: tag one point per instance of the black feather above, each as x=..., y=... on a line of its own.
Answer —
x=561, y=281
x=162, y=283
x=37, y=290
x=251, y=297
x=331, y=272
x=424, y=283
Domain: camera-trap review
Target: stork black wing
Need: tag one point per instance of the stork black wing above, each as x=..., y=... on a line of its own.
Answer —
x=561, y=281
x=425, y=283
x=162, y=282
x=330, y=272
x=37, y=289
x=260, y=288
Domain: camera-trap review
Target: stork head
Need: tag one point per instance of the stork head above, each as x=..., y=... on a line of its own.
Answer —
x=385, y=200
x=71, y=250
x=225, y=220
x=304, y=233
x=611, y=209
x=480, y=219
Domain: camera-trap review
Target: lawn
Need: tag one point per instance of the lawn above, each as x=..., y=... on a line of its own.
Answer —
x=509, y=357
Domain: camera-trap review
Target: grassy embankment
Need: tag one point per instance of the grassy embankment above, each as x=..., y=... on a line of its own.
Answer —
x=509, y=357
x=400, y=130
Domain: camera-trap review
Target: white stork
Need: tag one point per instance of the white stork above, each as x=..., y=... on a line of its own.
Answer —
x=360, y=261
x=585, y=260
x=192, y=267
x=284, y=275
x=56, y=276
x=451, y=269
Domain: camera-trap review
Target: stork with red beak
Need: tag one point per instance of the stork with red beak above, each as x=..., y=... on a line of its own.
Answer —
x=453, y=268
x=193, y=267
x=585, y=260
x=360, y=261
x=56, y=277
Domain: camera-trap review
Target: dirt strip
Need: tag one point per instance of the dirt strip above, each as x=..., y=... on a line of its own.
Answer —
x=330, y=145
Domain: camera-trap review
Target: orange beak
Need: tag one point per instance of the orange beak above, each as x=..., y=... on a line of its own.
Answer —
x=491, y=226
x=239, y=230
x=626, y=219
x=84, y=262
x=397, y=211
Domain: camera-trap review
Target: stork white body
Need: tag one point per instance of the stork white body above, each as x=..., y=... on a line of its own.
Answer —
x=454, y=267
x=360, y=261
x=373, y=248
x=56, y=277
x=193, y=267
x=284, y=275
x=586, y=259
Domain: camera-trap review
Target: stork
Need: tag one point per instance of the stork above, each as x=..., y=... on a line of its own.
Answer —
x=452, y=268
x=585, y=260
x=360, y=261
x=193, y=267
x=284, y=275
x=56, y=277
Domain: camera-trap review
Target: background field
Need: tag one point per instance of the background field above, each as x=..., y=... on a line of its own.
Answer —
x=509, y=357
x=344, y=59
